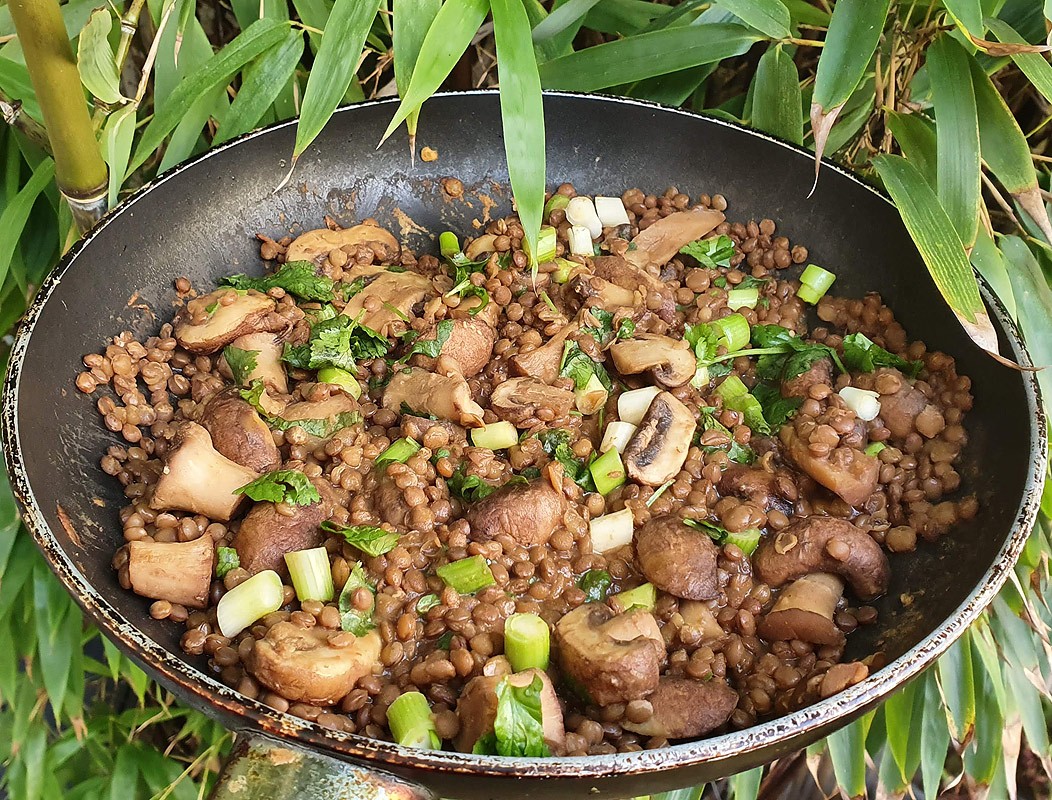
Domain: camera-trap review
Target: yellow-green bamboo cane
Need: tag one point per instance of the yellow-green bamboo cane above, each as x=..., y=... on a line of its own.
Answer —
x=79, y=169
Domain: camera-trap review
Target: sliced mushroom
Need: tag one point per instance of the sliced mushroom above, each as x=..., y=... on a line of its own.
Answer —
x=846, y=471
x=198, y=478
x=392, y=297
x=823, y=544
x=268, y=531
x=700, y=617
x=316, y=245
x=323, y=419
x=388, y=500
x=238, y=432
x=661, y=241
x=518, y=400
x=634, y=277
x=769, y=489
x=206, y=323
x=443, y=396
x=609, y=295
x=414, y=427
x=481, y=246
x=841, y=676
x=820, y=372
x=657, y=452
x=685, y=708
x=528, y=513
x=543, y=362
x=671, y=361
x=804, y=611
x=468, y=348
x=302, y=665
x=899, y=410
x=269, y=367
x=477, y=708
x=678, y=559
x=611, y=661
x=179, y=572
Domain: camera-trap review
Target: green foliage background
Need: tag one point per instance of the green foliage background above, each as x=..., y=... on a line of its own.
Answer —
x=946, y=103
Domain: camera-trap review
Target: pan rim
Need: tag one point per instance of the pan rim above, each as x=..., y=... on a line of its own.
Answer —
x=734, y=745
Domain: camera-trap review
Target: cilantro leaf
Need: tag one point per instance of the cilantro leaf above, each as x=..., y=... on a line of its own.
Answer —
x=321, y=427
x=862, y=354
x=595, y=584
x=518, y=728
x=337, y=342
x=432, y=347
x=469, y=488
x=462, y=269
x=298, y=278
x=556, y=443
x=712, y=253
x=776, y=409
x=357, y=621
x=241, y=362
x=737, y=452
x=370, y=539
x=226, y=560
x=578, y=365
x=703, y=340
x=282, y=486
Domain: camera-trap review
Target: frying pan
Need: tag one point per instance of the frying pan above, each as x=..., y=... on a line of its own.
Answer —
x=200, y=220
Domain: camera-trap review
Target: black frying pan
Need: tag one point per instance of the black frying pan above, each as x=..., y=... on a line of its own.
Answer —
x=200, y=220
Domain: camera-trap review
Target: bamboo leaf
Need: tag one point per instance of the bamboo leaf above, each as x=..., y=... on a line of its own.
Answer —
x=1029, y=704
x=263, y=80
x=125, y=776
x=776, y=96
x=1033, y=65
x=968, y=14
x=16, y=213
x=746, y=785
x=1034, y=303
x=984, y=756
x=646, y=55
x=411, y=19
x=957, y=127
x=334, y=66
x=562, y=18
x=624, y=17
x=217, y=71
x=522, y=114
x=847, y=751
x=448, y=37
x=939, y=246
x=957, y=684
x=769, y=17
x=184, y=13
x=117, y=137
x=935, y=739
x=917, y=139
x=95, y=60
x=898, y=713
x=986, y=258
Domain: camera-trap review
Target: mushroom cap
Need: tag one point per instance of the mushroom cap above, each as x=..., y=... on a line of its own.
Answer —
x=202, y=331
x=847, y=472
x=238, y=432
x=269, y=367
x=543, y=362
x=657, y=451
x=678, y=559
x=662, y=240
x=518, y=400
x=803, y=548
x=300, y=664
x=670, y=361
x=477, y=708
x=315, y=245
x=900, y=410
x=775, y=489
x=469, y=346
x=445, y=396
x=397, y=292
x=686, y=708
x=528, y=513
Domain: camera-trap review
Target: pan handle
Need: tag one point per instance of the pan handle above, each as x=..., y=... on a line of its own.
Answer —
x=263, y=767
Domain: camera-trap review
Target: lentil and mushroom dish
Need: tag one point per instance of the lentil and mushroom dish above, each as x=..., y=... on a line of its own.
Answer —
x=617, y=495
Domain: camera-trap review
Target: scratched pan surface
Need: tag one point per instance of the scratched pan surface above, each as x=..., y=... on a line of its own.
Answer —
x=200, y=220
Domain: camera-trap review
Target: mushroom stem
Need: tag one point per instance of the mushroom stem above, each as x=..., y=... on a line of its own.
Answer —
x=180, y=572
x=804, y=611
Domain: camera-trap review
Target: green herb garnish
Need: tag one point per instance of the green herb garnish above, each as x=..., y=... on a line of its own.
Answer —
x=370, y=539
x=299, y=278
x=282, y=486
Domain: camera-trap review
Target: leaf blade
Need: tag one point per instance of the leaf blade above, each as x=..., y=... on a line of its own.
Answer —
x=95, y=60
x=769, y=17
x=776, y=96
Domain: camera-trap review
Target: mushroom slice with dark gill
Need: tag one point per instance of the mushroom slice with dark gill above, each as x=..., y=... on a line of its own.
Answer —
x=179, y=572
x=823, y=544
x=477, y=708
x=657, y=451
x=468, y=348
x=443, y=396
x=768, y=489
x=662, y=240
x=312, y=665
x=269, y=367
x=391, y=296
x=615, y=659
x=846, y=471
x=543, y=362
x=684, y=708
x=670, y=361
x=528, y=513
x=316, y=245
x=216, y=319
x=518, y=400
x=609, y=295
x=238, y=432
x=198, y=478
x=678, y=559
x=804, y=611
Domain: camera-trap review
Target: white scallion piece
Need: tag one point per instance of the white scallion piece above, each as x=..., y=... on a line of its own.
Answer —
x=616, y=436
x=863, y=402
x=581, y=211
x=592, y=397
x=632, y=406
x=580, y=241
x=245, y=603
x=611, y=530
x=611, y=211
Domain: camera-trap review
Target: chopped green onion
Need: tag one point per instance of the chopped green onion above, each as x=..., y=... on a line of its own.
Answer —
x=743, y=298
x=632, y=406
x=608, y=472
x=526, y=642
x=746, y=540
x=814, y=283
x=644, y=596
x=311, y=574
x=562, y=274
x=875, y=448
x=809, y=294
x=733, y=331
x=736, y=397
x=260, y=595
x=448, y=244
x=545, y=244
x=731, y=388
x=495, y=436
x=467, y=575
x=581, y=211
x=409, y=718
x=611, y=530
x=342, y=378
x=660, y=491
x=556, y=201
x=701, y=377
x=611, y=211
x=580, y=241
x=398, y=452
x=617, y=436
x=592, y=397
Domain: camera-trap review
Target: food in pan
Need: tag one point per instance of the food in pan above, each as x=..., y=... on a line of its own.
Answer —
x=640, y=493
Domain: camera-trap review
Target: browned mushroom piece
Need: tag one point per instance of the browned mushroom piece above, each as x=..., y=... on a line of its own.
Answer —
x=315, y=245
x=267, y=533
x=841, y=676
x=269, y=367
x=769, y=489
x=414, y=427
x=632, y=277
x=610, y=295
x=823, y=544
x=477, y=708
x=518, y=400
x=442, y=396
x=198, y=478
x=820, y=372
x=847, y=472
x=388, y=298
x=661, y=241
x=699, y=616
x=238, y=432
x=528, y=513
x=656, y=452
x=468, y=348
x=804, y=611
x=323, y=419
x=216, y=319
x=899, y=410
x=678, y=559
x=670, y=361
x=543, y=362
x=179, y=572
x=303, y=666
x=684, y=708
x=609, y=658
x=388, y=500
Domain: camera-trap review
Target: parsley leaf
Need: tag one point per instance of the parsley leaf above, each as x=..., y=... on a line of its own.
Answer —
x=712, y=253
x=337, y=342
x=776, y=409
x=432, y=347
x=792, y=355
x=556, y=444
x=595, y=584
x=461, y=272
x=226, y=560
x=518, y=728
x=298, y=278
x=860, y=353
x=578, y=365
x=748, y=282
x=469, y=488
x=370, y=539
x=321, y=427
x=603, y=332
x=737, y=452
x=357, y=621
x=241, y=362
x=282, y=486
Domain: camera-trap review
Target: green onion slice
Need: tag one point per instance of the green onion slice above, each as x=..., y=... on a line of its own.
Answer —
x=526, y=642
x=311, y=574
x=467, y=575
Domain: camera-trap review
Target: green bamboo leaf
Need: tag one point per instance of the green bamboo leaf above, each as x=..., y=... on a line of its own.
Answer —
x=804, y=13
x=125, y=776
x=1033, y=65
x=985, y=756
x=957, y=127
x=939, y=246
x=334, y=67
x=314, y=14
x=117, y=136
x=776, y=96
x=769, y=17
x=957, y=684
x=558, y=45
x=898, y=714
x=261, y=35
x=987, y=259
x=448, y=37
x=412, y=19
x=746, y=785
x=562, y=18
x=1034, y=300
x=1024, y=698
x=262, y=81
x=968, y=14
x=917, y=139
x=847, y=751
x=183, y=14
x=95, y=60
x=624, y=17
x=935, y=738
x=522, y=114
x=16, y=213
x=51, y=609
x=645, y=55
x=854, y=31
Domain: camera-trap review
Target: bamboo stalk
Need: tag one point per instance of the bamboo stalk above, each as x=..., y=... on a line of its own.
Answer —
x=13, y=114
x=80, y=171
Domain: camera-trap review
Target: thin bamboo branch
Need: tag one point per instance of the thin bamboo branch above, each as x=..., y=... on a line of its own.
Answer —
x=12, y=113
x=129, y=25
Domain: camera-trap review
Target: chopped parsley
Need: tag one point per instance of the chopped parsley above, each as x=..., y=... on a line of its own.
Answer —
x=861, y=354
x=241, y=363
x=748, y=282
x=517, y=729
x=321, y=427
x=604, y=332
x=579, y=365
x=432, y=347
x=226, y=560
x=785, y=355
x=370, y=539
x=712, y=253
x=469, y=488
x=595, y=584
x=556, y=444
x=337, y=342
x=427, y=602
x=461, y=270
x=357, y=621
x=282, y=486
x=299, y=278
x=737, y=452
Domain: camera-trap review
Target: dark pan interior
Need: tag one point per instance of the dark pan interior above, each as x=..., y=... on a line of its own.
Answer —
x=201, y=222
